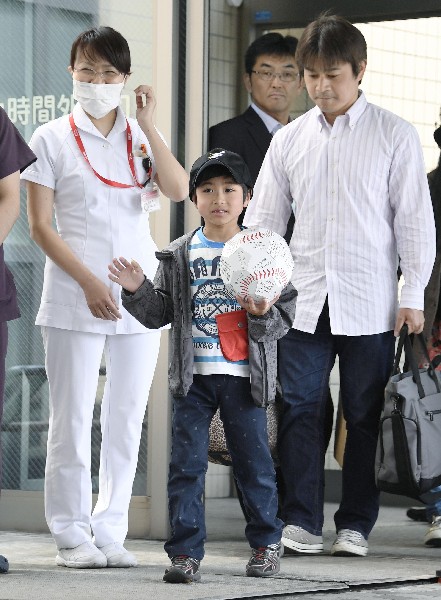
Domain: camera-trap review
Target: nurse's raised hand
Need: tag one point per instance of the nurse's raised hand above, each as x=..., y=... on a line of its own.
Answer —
x=100, y=301
x=145, y=106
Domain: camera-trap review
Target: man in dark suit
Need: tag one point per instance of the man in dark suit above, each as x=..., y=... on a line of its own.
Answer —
x=272, y=80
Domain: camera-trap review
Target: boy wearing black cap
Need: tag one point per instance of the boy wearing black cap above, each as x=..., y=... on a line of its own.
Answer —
x=189, y=293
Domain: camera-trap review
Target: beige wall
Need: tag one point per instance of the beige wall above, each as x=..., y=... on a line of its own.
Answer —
x=404, y=74
x=225, y=63
x=134, y=19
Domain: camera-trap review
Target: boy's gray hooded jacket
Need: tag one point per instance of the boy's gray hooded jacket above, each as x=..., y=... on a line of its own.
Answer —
x=168, y=300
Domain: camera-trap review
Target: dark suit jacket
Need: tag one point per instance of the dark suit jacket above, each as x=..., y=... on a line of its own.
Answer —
x=246, y=135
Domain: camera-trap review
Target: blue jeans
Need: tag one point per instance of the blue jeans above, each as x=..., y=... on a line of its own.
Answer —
x=305, y=363
x=433, y=503
x=245, y=427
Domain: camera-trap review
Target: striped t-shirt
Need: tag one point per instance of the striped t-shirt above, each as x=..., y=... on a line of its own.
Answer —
x=209, y=298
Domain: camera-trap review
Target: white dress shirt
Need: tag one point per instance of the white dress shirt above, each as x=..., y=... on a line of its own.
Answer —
x=270, y=122
x=97, y=221
x=360, y=196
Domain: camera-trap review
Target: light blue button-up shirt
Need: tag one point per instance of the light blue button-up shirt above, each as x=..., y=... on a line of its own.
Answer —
x=361, y=199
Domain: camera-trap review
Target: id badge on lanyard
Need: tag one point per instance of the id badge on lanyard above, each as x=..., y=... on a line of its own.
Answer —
x=150, y=195
x=150, y=198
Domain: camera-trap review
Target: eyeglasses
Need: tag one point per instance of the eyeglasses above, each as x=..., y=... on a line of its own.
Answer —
x=285, y=76
x=87, y=74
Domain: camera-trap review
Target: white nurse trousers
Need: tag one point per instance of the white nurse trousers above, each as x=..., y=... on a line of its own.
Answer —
x=72, y=365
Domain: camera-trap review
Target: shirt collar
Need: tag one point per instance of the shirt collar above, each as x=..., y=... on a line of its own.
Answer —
x=357, y=109
x=270, y=122
x=83, y=122
x=352, y=114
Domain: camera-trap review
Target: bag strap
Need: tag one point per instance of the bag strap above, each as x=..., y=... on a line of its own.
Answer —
x=422, y=341
x=402, y=456
x=399, y=351
x=404, y=340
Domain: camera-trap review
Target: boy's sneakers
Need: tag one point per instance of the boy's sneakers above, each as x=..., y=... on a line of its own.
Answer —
x=433, y=535
x=4, y=564
x=264, y=562
x=184, y=569
x=301, y=541
x=84, y=556
x=349, y=543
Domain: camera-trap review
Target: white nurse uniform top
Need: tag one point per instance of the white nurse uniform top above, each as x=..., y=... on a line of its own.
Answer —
x=97, y=221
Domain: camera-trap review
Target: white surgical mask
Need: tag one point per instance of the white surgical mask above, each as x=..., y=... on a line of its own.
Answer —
x=97, y=99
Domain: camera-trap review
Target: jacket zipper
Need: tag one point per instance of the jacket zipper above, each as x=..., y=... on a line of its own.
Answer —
x=430, y=413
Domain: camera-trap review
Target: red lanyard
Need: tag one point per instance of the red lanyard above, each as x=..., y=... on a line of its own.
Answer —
x=80, y=144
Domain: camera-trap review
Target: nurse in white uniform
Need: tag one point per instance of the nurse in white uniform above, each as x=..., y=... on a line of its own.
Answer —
x=98, y=171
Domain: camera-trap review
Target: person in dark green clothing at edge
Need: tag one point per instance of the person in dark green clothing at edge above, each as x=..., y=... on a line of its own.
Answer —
x=15, y=156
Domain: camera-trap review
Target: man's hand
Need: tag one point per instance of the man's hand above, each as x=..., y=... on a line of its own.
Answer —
x=412, y=317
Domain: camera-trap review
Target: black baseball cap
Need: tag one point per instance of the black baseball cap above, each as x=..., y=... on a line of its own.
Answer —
x=230, y=160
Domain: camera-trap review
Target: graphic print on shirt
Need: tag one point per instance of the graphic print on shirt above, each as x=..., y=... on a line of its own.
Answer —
x=209, y=298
